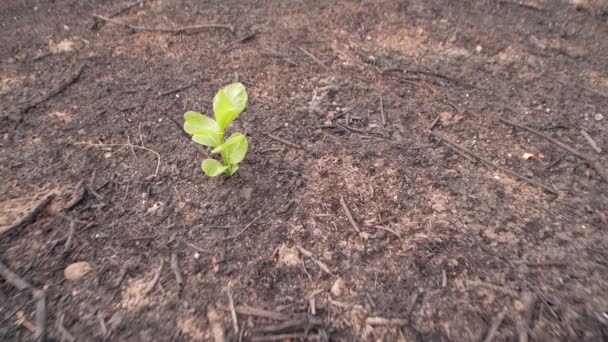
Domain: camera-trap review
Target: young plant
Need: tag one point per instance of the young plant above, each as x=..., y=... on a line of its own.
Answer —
x=228, y=103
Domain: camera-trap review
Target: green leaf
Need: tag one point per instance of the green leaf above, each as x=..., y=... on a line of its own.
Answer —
x=233, y=169
x=204, y=130
x=228, y=103
x=234, y=149
x=212, y=139
x=212, y=167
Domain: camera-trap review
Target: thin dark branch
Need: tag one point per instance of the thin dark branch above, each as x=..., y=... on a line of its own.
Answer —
x=61, y=87
x=491, y=164
x=594, y=163
x=177, y=30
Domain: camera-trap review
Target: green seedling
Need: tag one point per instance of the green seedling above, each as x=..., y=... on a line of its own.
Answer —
x=228, y=103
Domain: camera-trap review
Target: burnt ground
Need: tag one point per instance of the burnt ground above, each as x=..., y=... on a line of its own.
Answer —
x=446, y=244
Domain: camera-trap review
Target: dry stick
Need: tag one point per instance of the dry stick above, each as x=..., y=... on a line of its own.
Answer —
x=272, y=53
x=313, y=57
x=350, y=217
x=77, y=195
x=169, y=92
x=523, y=325
x=286, y=142
x=68, y=242
x=235, y=322
x=30, y=216
x=240, y=40
x=61, y=87
x=459, y=152
x=591, y=141
x=280, y=337
x=382, y=111
x=319, y=263
x=101, y=145
x=65, y=334
x=388, y=230
x=176, y=271
x=164, y=29
x=588, y=159
x=496, y=322
x=386, y=321
x=254, y=221
x=39, y=295
x=197, y=248
x=491, y=164
x=126, y=8
x=154, y=280
x=255, y=312
x=434, y=123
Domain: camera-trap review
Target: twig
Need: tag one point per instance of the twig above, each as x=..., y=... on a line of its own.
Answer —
x=102, y=324
x=452, y=146
x=272, y=53
x=126, y=8
x=156, y=277
x=38, y=295
x=290, y=326
x=392, y=231
x=65, y=334
x=30, y=216
x=197, y=248
x=252, y=311
x=523, y=325
x=412, y=303
x=254, y=221
x=178, y=30
x=102, y=145
x=61, y=87
x=286, y=142
x=169, y=92
x=348, y=214
x=281, y=337
x=591, y=141
x=382, y=111
x=434, y=123
x=176, y=271
x=313, y=57
x=240, y=40
x=491, y=164
x=77, y=195
x=544, y=300
x=41, y=314
x=496, y=322
x=588, y=159
x=235, y=322
x=350, y=128
x=68, y=241
x=319, y=263
x=386, y=321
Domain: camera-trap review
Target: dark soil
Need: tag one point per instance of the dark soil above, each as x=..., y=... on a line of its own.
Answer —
x=445, y=244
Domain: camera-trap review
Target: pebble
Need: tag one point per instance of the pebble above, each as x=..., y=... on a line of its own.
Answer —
x=77, y=270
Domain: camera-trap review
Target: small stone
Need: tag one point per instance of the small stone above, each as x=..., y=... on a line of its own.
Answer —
x=77, y=270
x=478, y=48
x=338, y=288
x=598, y=117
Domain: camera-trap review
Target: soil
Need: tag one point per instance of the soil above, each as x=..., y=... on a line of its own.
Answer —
x=445, y=244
